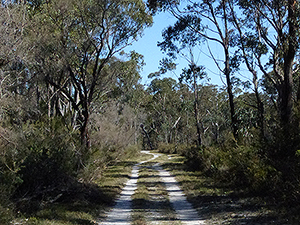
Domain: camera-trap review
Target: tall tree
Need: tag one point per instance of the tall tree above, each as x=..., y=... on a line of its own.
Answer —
x=204, y=20
x=192, y=75
x=276, y=25
x=251, y=52
x=74, y=43
x=163, y=107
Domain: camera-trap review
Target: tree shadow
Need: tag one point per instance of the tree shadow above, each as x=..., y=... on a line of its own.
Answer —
x=230, y=204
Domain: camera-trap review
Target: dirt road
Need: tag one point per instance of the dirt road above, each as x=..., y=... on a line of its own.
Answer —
x=121, y=213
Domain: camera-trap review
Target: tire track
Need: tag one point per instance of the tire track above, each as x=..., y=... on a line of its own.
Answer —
x=121, y=213
x=184, y=210
x=157, y=208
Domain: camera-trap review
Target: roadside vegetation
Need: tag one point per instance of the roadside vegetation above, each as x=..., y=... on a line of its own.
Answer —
x=221, y=198
x=81, y=202
x=73, y=108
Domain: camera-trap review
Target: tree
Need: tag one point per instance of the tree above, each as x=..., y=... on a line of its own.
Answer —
x=74, y=44
x=163, y=107
x=276, y=27
x=192, y=75
x=251, y=53
x=205, y=20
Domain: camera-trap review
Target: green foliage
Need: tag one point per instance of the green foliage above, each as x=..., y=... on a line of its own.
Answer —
x=74, y=46
x=102, y=158
x=167, y=148
x=51, y=155
x=181, y=36
x=191, y=73
x=10, y=160
x=193, y=154
x=238, y=165
x=33, y=161
x=6, y=214
x=242, y=166
x=59, y=77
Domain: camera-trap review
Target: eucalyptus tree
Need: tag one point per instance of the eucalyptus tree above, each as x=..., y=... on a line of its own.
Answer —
x=201, y=21
x=162, y=107
x=192, y=75
x=124, y=92
x=18, y=88
x=126, y=75
x=251, y=51
x=275, y=25
x=74, y=42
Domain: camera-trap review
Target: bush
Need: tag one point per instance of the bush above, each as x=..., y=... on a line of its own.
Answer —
x=113, y=138
x=167, y=148
x=238, y=165
x=193, y=154
x=195, y=158
x=10, y=160
x=102, y=157
x=6, y=214
x=242, y=167
x=50, y=159
x=6, y=207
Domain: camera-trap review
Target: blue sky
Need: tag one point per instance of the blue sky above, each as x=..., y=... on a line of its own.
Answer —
x=147, y=46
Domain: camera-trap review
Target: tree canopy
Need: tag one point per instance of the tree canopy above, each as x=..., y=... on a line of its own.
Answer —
x=72, y=102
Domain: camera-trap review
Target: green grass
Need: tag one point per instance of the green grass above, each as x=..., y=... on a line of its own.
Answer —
x=151, y=201
x=88, y=206
x=217, y=201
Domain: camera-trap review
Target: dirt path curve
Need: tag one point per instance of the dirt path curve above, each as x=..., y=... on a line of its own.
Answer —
x=185, y=211
x=120, y=214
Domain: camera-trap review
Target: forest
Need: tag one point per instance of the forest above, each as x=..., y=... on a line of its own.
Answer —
x=72, y=102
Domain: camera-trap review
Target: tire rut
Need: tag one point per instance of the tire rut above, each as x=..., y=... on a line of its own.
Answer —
x=157, y=208
x=166, y=202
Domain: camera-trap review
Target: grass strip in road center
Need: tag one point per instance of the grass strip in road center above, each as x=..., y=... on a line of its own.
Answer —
x=151, y=202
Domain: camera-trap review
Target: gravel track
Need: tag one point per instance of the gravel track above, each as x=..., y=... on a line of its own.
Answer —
x=121, y=213
x=185, y=211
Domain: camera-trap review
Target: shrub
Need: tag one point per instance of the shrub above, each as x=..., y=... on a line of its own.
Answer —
x=193, y=154
x=113, y=137
x=6, y=214
x=238, y=165
x=10, y=160
x=50, y=160
x=102, y=157
x=195, y=158
x=167, y=148
x=242, y=166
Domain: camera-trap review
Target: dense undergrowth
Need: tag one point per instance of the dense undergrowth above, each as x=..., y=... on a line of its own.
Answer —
x=244, y=170
x=45, y=172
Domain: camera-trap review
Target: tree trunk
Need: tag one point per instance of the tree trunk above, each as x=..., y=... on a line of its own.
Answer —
x=199, y=141
x=84, y=131
x=147, y=136
x=230, y=95
x=260, y=107
x=234, y=121
x=286, y=88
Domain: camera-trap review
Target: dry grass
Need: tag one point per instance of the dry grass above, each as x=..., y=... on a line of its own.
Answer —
x=218, y=202
x=151, y=201
x=88, y=204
